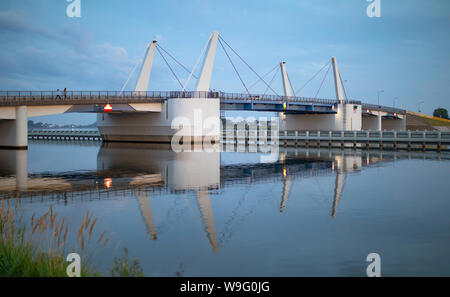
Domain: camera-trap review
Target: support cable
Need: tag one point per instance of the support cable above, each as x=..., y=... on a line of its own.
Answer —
x=196, y=64
x=179, y=63
x=343, y=87
x=313, y=76
x=273, y=77
x=255, y=83
x=220, y=38
x=235, y=69
x=290, y=84
x=168, y=65
x=321, y=84
x=132, y=71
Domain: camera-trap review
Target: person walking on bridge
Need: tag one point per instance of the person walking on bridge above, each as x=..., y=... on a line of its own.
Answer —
x=65, y=93
x=57, y=94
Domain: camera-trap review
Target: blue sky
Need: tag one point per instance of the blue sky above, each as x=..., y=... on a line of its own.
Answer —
x=406, y=52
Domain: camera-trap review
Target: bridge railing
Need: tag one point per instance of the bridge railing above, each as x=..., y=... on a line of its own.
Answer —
x=36, y=97
x=85, y=94
x=15, y=98
x=255, y=98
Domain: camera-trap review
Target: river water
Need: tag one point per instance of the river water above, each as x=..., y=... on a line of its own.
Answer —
x=300, y=212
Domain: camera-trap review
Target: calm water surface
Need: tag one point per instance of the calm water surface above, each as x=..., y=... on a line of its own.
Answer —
x=299, y=213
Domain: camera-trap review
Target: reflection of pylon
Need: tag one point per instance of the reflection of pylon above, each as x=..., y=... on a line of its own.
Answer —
x=339, y=184
x=146, y=212
x=204, y=204
x=286, y=191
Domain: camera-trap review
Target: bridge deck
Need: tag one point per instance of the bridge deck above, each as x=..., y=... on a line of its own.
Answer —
x=229, y=101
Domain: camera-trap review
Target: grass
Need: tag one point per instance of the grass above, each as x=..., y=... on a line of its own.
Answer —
x=39, y=251
x=437, y=122
x=124, y=268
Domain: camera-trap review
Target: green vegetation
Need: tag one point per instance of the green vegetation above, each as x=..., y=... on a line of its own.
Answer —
x=18, y=258
x=123, y=267
x=440, y=113
x=39, y=252
x=436, y=122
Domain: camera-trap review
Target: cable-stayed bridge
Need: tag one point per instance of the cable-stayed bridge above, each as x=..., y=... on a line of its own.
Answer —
x=156, y=116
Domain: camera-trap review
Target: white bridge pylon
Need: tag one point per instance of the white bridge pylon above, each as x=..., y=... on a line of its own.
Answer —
x=204, y=80
x=208, y=63
x=144, y=75
x=337, y=81
x=287, y=86
x=285, y=78
x=346, y=115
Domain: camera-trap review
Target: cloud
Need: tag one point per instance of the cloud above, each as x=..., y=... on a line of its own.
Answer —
x=65, y=56
x=13, y=20
x=75, y=36
x=111, y=53
x=17, y=21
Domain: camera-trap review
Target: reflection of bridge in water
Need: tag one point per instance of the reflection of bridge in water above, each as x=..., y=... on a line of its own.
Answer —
x=142, y=169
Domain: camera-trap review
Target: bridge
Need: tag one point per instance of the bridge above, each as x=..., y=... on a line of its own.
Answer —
x=95, y=101
x=154, y=116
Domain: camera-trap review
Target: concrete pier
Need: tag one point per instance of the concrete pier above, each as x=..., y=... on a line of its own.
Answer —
x=193, y=120
x=14, y=131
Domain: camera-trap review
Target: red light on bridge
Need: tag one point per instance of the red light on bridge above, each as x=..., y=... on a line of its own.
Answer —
x=108, y=183
x=107, y=107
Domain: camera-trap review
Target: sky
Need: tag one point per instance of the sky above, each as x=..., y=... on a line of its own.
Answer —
x=405, y=52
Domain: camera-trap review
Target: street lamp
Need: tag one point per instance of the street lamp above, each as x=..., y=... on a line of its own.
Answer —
x=378, y=95
x=396, y=98
x=419, y=105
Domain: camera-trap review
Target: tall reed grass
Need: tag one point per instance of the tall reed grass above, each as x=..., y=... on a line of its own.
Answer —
x=37, y=248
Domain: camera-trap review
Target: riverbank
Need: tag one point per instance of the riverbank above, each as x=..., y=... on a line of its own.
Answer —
x=420, y=121
x=39, y=251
